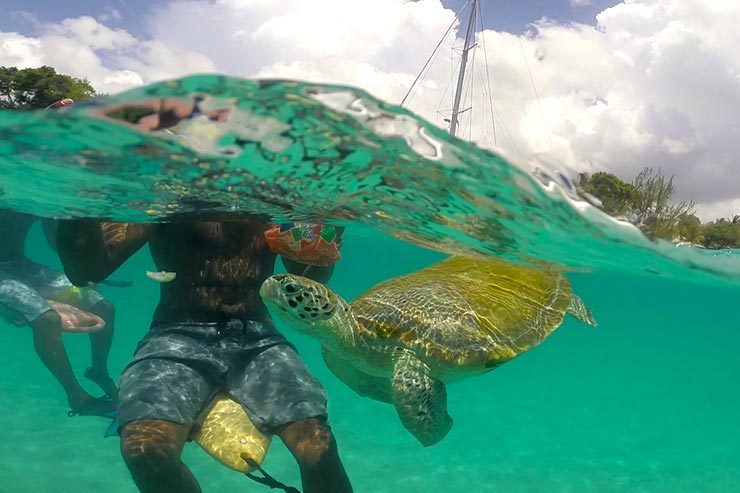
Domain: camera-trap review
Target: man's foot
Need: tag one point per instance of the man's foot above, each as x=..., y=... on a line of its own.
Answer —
x=104, y=381
x=93, y=406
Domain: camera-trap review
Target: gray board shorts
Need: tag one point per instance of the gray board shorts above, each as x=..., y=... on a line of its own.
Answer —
x=179, y=368
x=25, y=286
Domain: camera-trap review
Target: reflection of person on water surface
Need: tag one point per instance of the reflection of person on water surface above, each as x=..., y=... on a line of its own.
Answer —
x=210, y=332
x=40, y=297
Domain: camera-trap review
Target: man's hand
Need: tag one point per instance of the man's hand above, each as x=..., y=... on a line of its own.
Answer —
x=75, y=319
x=60, y=103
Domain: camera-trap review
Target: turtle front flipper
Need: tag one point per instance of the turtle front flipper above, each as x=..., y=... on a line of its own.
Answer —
x=578, y=310
x=376, y=388
x=420, y=400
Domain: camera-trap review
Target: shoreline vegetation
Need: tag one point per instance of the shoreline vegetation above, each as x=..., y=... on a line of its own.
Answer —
x=645, y=202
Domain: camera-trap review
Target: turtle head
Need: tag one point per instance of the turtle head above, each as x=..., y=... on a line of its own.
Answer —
x=304, y=304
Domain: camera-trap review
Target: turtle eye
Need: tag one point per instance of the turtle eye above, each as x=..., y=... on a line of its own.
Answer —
x=291, y=287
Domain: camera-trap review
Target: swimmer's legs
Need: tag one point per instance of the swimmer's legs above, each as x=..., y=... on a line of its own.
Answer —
x=100, y=344
x=47, y=340
x=313, y=445
x=151, y=449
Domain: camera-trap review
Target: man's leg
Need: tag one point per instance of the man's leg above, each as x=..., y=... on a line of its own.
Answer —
x=151, y=449
x=56, y=286
x=313, y=445
x=280, y=394
x=47, y=340
x=100, y=344
x=159, y=401
x=23, y=293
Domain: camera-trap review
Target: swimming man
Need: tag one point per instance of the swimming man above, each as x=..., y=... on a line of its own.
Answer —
x=25, y=291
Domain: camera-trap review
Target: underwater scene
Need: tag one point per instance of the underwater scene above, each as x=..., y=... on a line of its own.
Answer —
x=621, y=352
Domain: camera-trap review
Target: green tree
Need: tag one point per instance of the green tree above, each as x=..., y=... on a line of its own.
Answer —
x=617, y=197
x=722, y=233
x=690, y=229
x=646, y=202
x=652, y=210
x=33, y=88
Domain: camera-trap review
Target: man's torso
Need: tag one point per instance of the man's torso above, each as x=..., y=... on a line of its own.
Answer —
x=219, y=268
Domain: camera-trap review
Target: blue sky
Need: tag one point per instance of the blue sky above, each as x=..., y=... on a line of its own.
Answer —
x=514, y=15
x=506, y=15
x=132, y=12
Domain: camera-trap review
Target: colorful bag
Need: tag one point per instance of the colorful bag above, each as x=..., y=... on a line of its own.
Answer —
x=312, y=244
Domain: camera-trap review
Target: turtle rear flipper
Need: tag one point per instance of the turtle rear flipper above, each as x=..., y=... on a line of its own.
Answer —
x=578, y=310
x=420, y=400
x=376, y=388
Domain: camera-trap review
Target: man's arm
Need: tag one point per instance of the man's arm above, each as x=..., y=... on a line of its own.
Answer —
x=91, y=250
x=49, y=226
x=320, y=274
x=158, y=114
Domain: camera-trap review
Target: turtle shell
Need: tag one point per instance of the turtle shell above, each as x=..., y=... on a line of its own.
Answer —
x=465, y=312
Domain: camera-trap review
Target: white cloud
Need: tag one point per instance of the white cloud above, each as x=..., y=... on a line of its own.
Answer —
x=111, y=59
x=93, y=34
x=713, y=210
x=244, y=36
x=110, y=14
x=19, y=51
x=25, y=17
x=656, y=82
x=156, y=61
x=579, y=3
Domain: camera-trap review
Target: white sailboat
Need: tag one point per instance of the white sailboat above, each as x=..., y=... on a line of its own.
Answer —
x=470, y=31
x=462, y=101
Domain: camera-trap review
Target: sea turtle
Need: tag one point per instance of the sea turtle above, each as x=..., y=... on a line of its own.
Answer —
x=402, y=340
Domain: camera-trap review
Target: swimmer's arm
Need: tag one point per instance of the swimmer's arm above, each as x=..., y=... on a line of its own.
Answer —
x=319, y=274
x=158, y=114
x=151, y=115
x=49, y=226
x=91, y=250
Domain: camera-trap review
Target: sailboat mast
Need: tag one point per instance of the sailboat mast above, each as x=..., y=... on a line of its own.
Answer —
x=460, y=78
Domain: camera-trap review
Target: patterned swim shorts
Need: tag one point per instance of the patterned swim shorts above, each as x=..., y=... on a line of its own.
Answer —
x=178, y=368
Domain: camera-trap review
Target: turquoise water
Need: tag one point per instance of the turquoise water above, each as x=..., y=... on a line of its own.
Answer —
x=646, y=402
